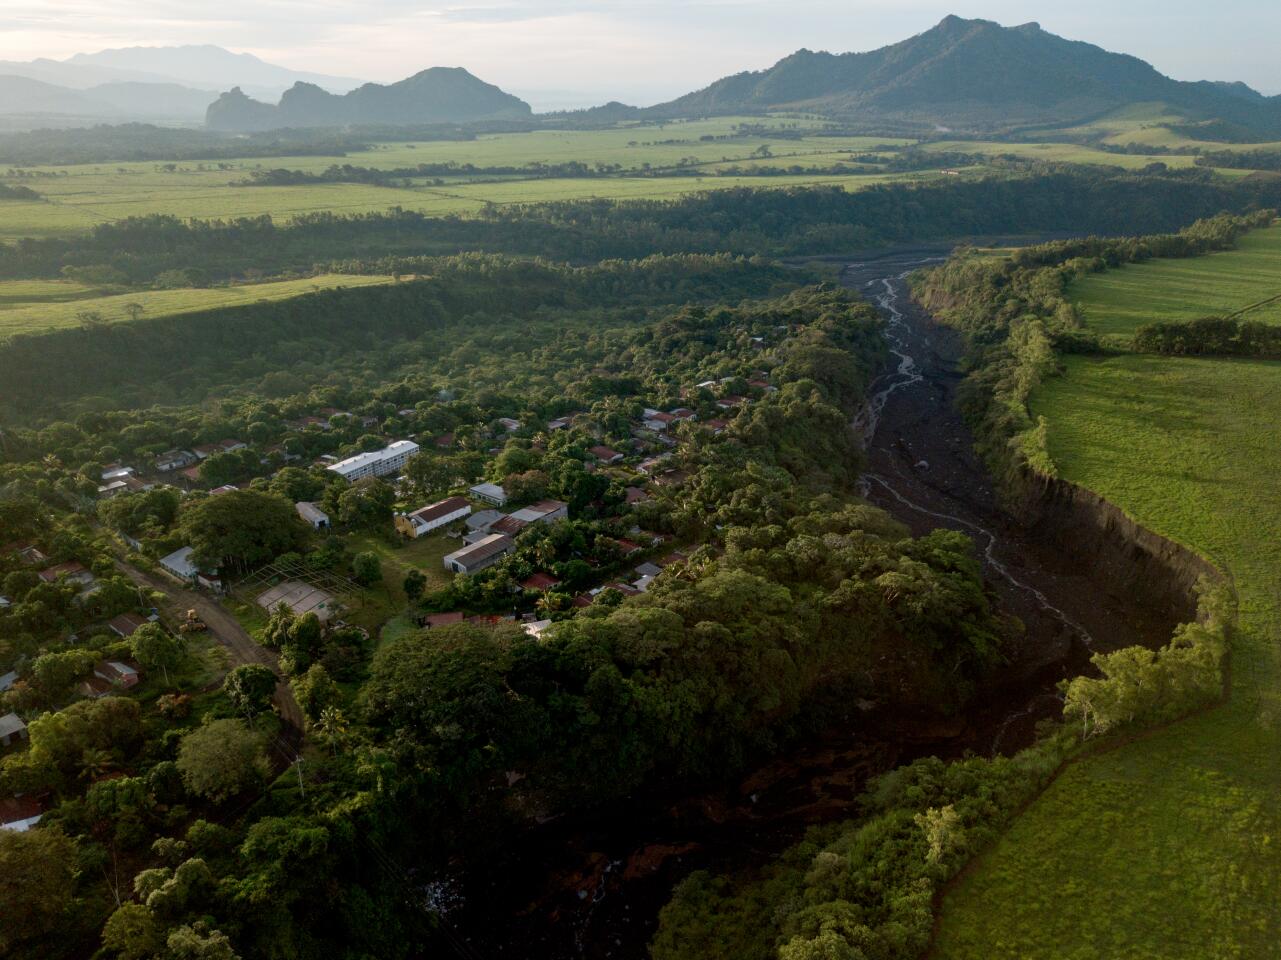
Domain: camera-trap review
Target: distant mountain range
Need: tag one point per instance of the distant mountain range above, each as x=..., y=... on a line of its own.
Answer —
x=164, y=84
x=963, y=76
x=974, y=74
x=437, y=95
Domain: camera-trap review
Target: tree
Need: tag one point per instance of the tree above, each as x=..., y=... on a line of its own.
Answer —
x=56, y=672
x=37, y=882
x=242, y=529
x=415, y=583
x=156, y=648
x=221, y=759
x=315, y=690
x=943, y=832
x=333, y=725
x=132, y=933
x=366, y=504
x=367, y=568
x=250, y=687
x=199, y=942
x=134, y=310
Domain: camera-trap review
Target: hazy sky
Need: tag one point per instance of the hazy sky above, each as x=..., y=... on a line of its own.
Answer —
x=555, y=52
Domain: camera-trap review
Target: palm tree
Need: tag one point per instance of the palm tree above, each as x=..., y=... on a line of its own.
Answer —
x=333, y=725
x=95, y=762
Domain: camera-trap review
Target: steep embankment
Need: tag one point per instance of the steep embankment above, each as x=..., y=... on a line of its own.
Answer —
x=1183, y=817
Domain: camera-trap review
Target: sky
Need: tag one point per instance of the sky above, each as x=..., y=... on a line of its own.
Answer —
x=561, y=53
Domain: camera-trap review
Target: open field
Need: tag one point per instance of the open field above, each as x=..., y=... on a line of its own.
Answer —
x=37, y=306
x=80, y=196
x=400, y=556
x=1120, y=301
x=1188, y=814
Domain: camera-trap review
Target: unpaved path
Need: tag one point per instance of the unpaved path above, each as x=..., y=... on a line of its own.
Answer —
x=223, y=627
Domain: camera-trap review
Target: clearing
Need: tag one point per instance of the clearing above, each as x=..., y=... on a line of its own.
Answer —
x=40, y=306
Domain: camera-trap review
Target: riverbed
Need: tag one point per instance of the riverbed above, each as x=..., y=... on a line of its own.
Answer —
x=591, y=886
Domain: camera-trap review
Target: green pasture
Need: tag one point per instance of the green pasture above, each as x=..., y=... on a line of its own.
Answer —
x=1120, y=301
x=37, y=306
x=1165, y=846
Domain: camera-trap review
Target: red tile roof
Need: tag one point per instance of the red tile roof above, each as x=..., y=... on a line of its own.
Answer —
x=539, y=581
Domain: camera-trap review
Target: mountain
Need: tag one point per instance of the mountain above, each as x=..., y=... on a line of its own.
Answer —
x=973, y=74
x=22, y=96
x=209, y=67
x=157, y=101
x=436, y=95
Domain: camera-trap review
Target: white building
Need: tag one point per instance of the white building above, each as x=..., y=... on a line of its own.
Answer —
x=428, y=518
x=490, y=493
x=318, y=519
x=12, y=729
x=479, y=555
x=179, y=563
x=376, y=463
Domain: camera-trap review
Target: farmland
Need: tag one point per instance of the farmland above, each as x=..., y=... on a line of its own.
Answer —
x=37, y=306
x=1186, y=813
x=706, y=154
x=1119, y=301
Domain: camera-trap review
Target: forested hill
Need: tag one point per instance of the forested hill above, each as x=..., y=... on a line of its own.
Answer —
x=436, y=95
x=975, y=74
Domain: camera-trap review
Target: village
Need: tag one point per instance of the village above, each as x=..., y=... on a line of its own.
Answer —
x=612, y=540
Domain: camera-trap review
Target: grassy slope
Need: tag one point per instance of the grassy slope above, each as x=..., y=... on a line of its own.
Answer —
x=1119, y=301
x=1165, y=847
x=47, y=309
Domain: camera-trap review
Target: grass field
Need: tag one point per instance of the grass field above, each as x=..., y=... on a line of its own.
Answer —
x=1120, y=301
x=78, y=197
x=1165, y=847
x=37, y=306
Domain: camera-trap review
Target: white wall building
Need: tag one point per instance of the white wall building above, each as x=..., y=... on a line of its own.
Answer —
x=376, y=463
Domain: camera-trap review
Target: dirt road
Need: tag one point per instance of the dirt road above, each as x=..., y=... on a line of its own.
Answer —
x=223, y=627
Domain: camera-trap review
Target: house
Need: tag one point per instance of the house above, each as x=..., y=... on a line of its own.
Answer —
x=109, y=490
x=672, y=478
x=535, y=628
x=509, y=525
x=376, y=463
x=225, y=488
x=539, y=581
x=114, y=471
x=444, y=441
x=95, y=688
x=648, y=569
x=12, y=729
x=278, y=450
x=605, y=454
x=674, y=557
x=303, y=423
x=658, y=422
x=172, y=460
x=192, y=474
x=210, y=581
x=560, y=423
x=440, y=619
x=478, y=556
x=428, y=518
x=8, y=680
x=73, y=571
x=20, y=813
x=25, y=552
x=636, y=495
x=731, y=401
x=683, y=413
x=206, y=450
x=717, y=426
x=490, y=493
x=544, y=511
x=312, y=514
x=482, y=520
x=406, y=412
x=117, y=673
x=510, y=425
x=653, y=464
x=126, y=624
x=179, y=564
x=628, y=547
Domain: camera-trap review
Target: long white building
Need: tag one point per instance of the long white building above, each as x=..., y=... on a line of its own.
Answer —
x=375, y=463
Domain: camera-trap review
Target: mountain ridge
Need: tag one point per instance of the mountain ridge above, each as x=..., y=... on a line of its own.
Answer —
x=434, y=95
x=976, y=74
